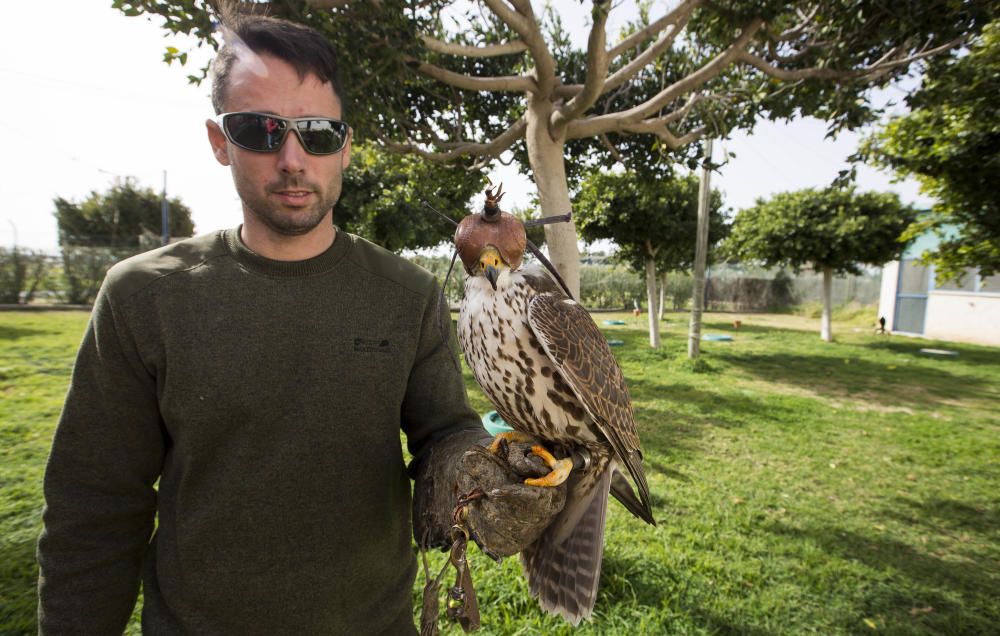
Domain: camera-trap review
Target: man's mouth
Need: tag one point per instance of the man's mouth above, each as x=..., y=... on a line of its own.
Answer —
x=293, y=196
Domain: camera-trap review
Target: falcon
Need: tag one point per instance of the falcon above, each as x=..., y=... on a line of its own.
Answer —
x=549, y=372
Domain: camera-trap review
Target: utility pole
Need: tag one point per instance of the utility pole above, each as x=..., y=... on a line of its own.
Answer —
x=165, y=212
x=700, y=256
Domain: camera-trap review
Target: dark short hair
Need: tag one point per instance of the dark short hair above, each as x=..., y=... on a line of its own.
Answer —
x=304, y=48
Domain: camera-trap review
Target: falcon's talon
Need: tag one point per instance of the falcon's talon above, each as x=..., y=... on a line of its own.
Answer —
x=560, y=469
x=509, y=436
x=560, y=473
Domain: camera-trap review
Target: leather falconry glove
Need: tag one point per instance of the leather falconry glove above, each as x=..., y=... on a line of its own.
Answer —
x=508, y=515
x=502, y=513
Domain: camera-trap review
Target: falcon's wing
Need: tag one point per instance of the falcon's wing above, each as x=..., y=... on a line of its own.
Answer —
x=582, y=355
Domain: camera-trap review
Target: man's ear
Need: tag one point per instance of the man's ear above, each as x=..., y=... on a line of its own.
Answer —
x=217, y=139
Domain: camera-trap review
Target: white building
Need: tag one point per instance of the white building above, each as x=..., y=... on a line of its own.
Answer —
x=912, y=303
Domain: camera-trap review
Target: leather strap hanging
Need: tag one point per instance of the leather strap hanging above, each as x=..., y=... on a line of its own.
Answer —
x=462, y=604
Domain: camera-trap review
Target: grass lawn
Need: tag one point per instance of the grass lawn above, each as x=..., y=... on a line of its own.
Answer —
x=800, y=487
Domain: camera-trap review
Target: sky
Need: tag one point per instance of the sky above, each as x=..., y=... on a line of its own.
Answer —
x=89, y=99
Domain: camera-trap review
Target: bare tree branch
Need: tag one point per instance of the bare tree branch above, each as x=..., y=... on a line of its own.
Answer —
x=515, y=83
x=665, y=135
x=795, y=74
x=597, y=68
x=675, y=25
x=799, y=28
x=449, y=48
x=659, y=126
x=654, y=50
x=492, y=149
x=524, y=24
x=683, y=111
x=614, y=121
x=520, y=23
x=611, y=148
x=684, y=8
x=874, y=70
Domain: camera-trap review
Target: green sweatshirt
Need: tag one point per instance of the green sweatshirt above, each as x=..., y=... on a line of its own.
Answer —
x=267, y=398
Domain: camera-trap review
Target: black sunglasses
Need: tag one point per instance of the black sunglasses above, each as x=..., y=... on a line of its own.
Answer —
x=261, y=132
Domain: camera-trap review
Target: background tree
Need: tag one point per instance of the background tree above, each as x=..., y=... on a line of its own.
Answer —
x=119, y=217
x=653, y=223
x=383, y=197
x=383, y=200
x=834, y=231
x=106, y=227
x=451, y=81
x=950, y=141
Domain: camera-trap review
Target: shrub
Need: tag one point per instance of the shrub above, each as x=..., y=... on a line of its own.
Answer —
x=21, y=272
x=84, y=269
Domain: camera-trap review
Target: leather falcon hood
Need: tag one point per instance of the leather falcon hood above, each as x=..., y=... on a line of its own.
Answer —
x=492, y=226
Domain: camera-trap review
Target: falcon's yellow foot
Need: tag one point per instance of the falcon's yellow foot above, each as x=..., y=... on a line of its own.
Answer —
x=509, y=436
x=560, y=469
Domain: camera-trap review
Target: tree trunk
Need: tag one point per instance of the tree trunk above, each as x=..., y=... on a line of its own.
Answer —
x=545, y=155
x=700, y=257
x=654, y=325
x=825, y=331
x=663, y=291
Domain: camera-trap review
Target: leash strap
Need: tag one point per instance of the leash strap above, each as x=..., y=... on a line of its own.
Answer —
x=462, y=605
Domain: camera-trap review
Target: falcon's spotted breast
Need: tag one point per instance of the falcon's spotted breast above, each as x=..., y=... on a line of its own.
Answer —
x=548, y=370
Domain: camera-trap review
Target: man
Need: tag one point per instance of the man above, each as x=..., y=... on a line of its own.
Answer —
x=248, y=388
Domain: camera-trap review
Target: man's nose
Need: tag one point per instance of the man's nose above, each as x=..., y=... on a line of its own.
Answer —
x=292, y=156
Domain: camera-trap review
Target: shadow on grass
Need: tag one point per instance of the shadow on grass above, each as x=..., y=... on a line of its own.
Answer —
x=666, y=471
x=961, y=594
x=948, y=516
x=968, y=354
x=903, y=385
x=673, y=420
x=632, y=579
x=11, y=332
x=693, y=405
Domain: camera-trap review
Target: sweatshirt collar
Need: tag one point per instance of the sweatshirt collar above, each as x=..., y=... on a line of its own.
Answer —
x=319, y=264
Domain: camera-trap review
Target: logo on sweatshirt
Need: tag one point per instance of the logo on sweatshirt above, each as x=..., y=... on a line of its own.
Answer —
x=372, y=345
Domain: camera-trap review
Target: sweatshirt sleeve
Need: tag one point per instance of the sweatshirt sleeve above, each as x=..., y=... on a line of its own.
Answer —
x=439, y=423
x=99, y=483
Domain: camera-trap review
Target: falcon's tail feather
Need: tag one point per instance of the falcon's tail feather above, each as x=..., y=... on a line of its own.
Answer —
x=564, y=576
x=622, y=491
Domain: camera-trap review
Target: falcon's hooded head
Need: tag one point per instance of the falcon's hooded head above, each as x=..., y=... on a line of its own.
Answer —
x=491, y=241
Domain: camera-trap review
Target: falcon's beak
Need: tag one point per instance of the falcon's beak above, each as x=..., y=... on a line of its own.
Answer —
x=491, y=264
x=491, y=275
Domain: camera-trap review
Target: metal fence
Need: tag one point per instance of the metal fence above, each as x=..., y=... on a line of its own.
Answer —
x=740, y=288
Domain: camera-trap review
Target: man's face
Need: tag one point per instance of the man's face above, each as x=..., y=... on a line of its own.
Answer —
x=288, y=192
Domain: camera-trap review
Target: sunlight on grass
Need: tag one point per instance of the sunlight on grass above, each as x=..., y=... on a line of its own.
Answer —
x=799, y=486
